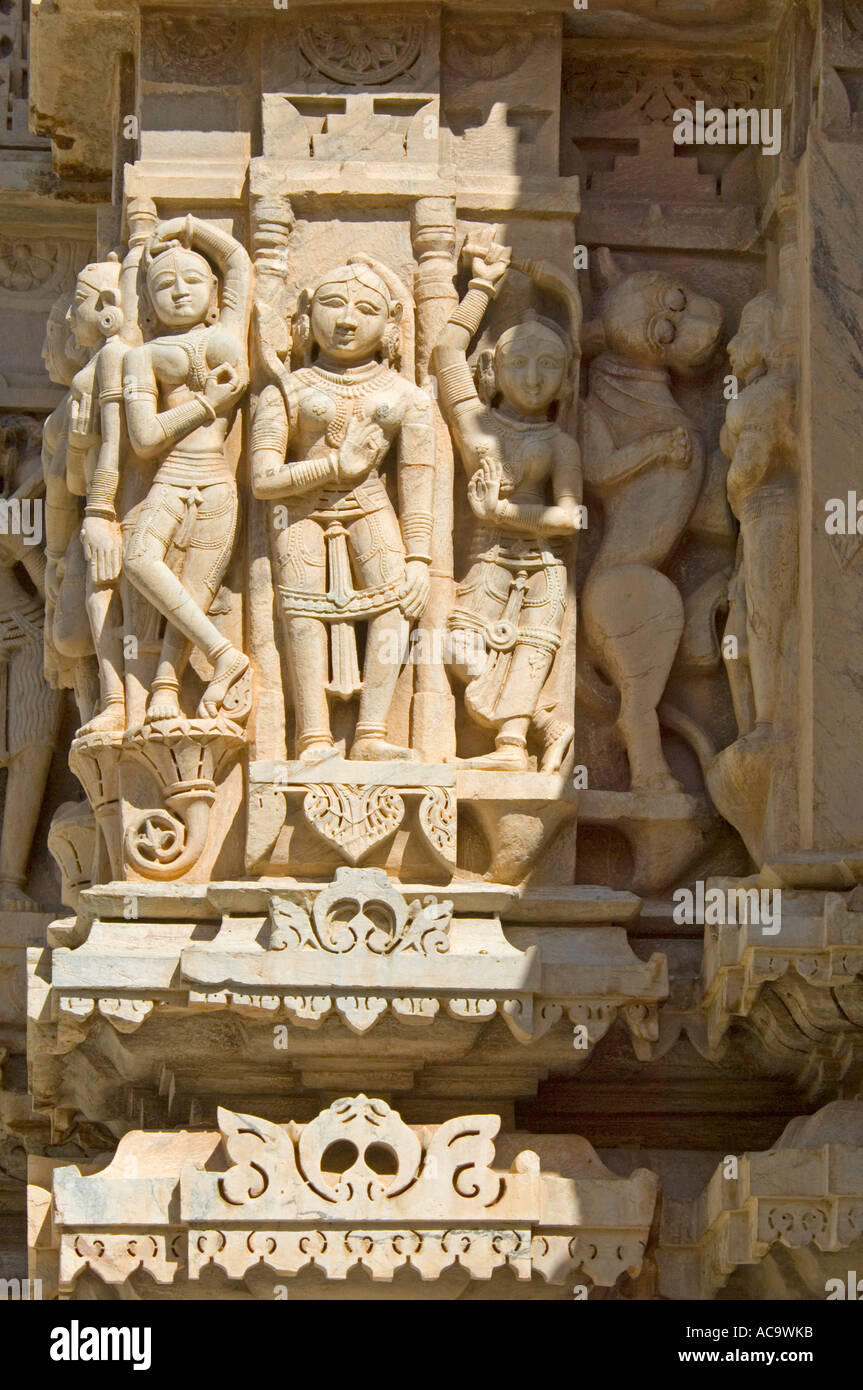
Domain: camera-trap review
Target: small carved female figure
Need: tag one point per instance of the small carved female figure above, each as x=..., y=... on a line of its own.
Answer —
x=758, y=438
x=320, y=441
x=29, y=709
x=507, y=623
x=182, y=390
x=68, y=641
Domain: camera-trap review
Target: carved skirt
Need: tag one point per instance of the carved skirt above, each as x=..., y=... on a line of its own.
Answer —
x=513, y=600
x=191, y=527
x=343, y=560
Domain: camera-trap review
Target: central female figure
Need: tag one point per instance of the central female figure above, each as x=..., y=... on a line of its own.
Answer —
x=320, y=443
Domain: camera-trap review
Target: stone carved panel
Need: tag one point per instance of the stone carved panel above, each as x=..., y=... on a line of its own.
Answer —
x=760, y=440
x=407, y=913
x=278, y=1200
x=14, y=86
x=355, y=51
x=806, y=1193
x=639, y=187
x=29, y=708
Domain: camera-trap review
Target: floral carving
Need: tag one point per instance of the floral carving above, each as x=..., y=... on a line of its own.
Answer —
x=360, y=910
x=643, y=94
x=355, y=52
x=487, y=51
x=195, y=49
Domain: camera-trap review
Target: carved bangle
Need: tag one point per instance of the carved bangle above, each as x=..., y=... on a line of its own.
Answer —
x=415, y=555
x=186, y=417
x=470, y=313
x=100, y=509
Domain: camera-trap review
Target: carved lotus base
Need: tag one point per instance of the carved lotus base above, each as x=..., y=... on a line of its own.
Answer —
x=185, y=760
x=95, y=761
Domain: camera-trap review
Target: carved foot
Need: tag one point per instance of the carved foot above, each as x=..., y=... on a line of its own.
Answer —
x=558, y=742
x=228, y=671
x=319, y=751
x=762, y=736
x=509, y=758
x=657, y=783
x=13, y=898
x=163, y=704
x=373, y=750
x=110, y=720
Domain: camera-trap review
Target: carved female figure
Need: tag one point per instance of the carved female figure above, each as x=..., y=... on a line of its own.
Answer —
x=507, y=623
x=81, y=570
x=68, y=641
x=29, y=709
x=182, y=390
x=758, y=439
x=320, y=442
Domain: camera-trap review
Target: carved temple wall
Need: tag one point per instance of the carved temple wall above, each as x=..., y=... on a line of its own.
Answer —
x=431, y=694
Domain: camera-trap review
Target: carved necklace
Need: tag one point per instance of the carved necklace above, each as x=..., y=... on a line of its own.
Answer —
x=352, y=384
x=194, y=345
x=348, y=388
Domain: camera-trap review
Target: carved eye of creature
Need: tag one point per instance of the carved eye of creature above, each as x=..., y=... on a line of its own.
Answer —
x=675, y=300
x=664, y=331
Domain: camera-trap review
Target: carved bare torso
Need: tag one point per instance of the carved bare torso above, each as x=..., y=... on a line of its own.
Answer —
x=180, y=367
x=323, y=404
x=758, y=438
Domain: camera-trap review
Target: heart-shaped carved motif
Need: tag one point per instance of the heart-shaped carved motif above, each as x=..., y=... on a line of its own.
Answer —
x=353, y=819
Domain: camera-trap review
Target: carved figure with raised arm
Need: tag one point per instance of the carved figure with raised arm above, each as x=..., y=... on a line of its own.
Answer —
x=524, y=489
x=182, y=389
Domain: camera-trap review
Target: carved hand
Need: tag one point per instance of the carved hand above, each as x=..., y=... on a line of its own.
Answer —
x=676, y=447
x=489, y=259
x=103, y=548
x=416, y=592
x=169, y=233
x=363, y=447
x=224, y=387
x=483, y=490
